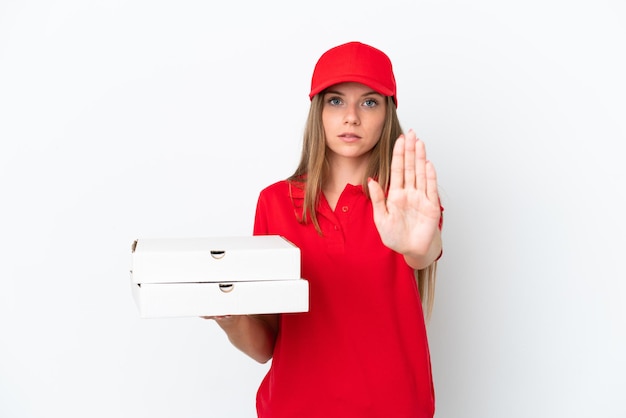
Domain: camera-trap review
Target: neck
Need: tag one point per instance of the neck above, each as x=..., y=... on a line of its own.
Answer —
x=344, y=171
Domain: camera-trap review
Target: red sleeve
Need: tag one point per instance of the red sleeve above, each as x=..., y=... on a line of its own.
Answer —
x=260, y=217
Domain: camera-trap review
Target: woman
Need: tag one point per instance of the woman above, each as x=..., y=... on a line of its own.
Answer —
x=364, y=210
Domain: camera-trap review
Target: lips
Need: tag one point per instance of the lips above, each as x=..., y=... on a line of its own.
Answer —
x=349, y=137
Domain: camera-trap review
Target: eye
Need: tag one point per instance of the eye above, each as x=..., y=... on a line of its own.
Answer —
x=370, y=102
x=334, y=101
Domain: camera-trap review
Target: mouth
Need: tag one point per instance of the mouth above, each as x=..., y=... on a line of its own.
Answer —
x=349, y=137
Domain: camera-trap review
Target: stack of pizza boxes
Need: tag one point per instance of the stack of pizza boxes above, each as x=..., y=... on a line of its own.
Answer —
x=216, y=276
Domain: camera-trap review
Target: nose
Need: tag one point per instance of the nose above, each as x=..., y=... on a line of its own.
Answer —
x=351, y=117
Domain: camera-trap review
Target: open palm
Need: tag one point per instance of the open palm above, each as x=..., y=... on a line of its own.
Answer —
x=408, y=218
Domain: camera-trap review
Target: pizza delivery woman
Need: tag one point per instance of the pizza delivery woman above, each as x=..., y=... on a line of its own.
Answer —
x=364, y=210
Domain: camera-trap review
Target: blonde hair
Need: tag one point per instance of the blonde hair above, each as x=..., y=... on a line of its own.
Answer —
x=313, y=169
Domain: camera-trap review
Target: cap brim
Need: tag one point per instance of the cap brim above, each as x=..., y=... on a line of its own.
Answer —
x=377, y=87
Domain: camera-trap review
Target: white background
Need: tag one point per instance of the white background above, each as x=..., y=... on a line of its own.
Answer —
x=123, y=119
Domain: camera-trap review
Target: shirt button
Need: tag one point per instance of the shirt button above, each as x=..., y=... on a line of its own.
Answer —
x=344, y=209
x=336, y=227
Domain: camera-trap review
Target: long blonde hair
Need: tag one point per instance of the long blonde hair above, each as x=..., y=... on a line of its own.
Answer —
x=313, y=169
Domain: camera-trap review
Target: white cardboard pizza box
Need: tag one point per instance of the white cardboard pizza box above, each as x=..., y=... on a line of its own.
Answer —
x=213, y=259
x=175, y=277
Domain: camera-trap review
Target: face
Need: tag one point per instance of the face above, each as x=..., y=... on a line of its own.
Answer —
x=353, y=117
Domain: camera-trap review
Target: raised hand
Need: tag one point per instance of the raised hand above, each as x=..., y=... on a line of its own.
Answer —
x=408, y=219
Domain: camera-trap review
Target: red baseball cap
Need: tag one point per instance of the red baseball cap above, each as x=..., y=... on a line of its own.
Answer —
x=357, y=62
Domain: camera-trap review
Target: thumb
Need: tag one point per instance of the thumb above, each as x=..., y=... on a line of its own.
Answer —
x=378, y=199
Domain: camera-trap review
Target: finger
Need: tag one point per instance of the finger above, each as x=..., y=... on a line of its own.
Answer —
x=396, y=180
x=378, y=199
x=420, y=166
x=216, y=317
x=409, y=160
x=432, y=190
